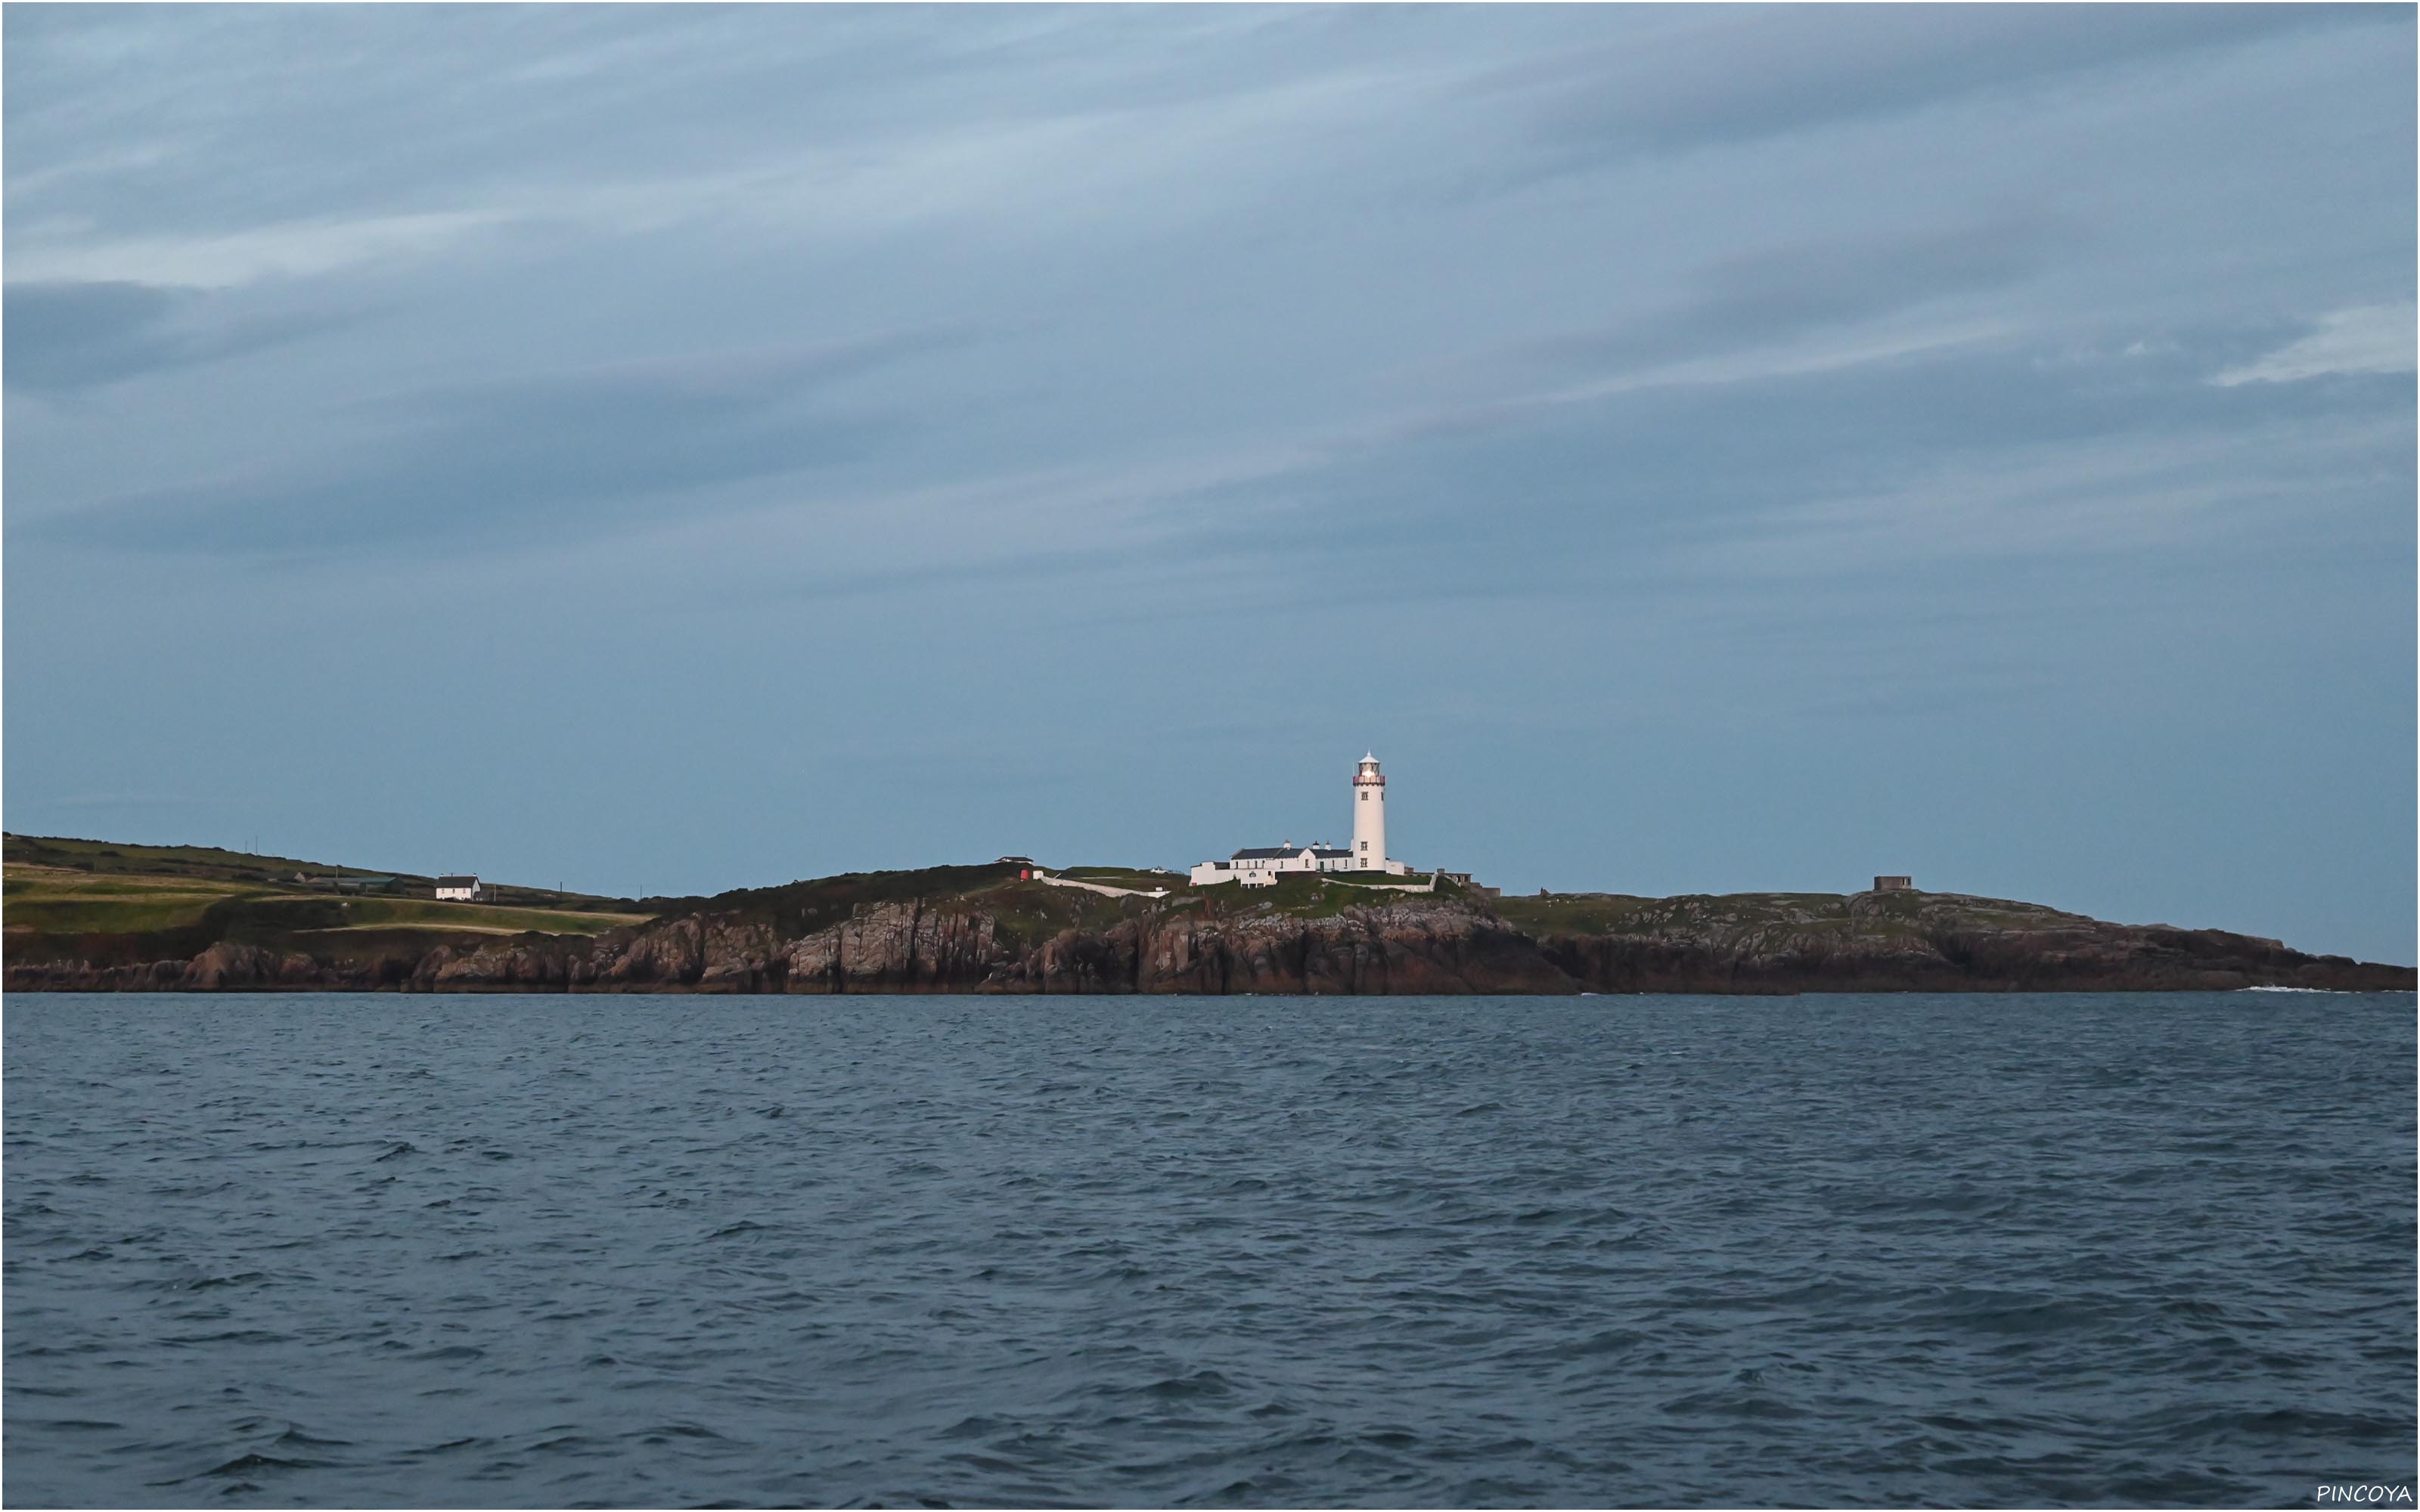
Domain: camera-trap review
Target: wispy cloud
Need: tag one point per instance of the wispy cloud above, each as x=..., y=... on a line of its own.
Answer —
x=1024, y=165
x=1787, y=309
x=570, y=451
x=1747, y=76
x=2371, y=338
x=2095, y=496
x=67, y=336
x=228, y=259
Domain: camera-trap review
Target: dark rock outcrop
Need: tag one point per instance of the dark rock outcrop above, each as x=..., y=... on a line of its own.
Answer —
x=1939, y=943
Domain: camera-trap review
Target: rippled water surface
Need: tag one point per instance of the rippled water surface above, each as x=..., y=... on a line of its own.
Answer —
x=494, y=1251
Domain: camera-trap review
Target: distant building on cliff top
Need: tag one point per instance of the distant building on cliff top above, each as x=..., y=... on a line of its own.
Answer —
x=459, y=890
x=1894, y=884
x=1261, y=866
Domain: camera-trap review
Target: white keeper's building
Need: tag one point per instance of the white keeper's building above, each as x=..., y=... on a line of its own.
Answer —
x=1261, y=866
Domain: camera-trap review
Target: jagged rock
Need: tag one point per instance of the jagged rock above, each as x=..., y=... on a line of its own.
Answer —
x=896, y=947
x=226, y=965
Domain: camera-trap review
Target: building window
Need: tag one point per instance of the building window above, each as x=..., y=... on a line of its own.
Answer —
x=1365, y=795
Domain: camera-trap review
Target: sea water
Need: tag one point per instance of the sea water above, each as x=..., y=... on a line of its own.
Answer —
x=608, y=1250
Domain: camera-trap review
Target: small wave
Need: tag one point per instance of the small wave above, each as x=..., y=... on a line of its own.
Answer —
x=1740, y=1399
x=977, y=1426
x=449, y=1446
x=564, y=1441
x=1200, y=1383
x=246, y=1464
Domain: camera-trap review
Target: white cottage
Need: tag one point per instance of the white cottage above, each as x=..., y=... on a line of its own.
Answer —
x=459, y=890
x=1261, y=866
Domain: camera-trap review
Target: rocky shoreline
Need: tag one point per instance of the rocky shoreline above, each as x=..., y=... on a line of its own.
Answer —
x=1434, y=946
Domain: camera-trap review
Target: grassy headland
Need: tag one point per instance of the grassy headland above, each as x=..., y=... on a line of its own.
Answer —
x=89, y=914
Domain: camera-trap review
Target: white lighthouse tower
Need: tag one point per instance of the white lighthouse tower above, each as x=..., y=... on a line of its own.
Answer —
x=1369, y=817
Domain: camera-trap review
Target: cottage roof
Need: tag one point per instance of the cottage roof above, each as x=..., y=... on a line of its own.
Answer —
x=1265, y=853
x=458, y=882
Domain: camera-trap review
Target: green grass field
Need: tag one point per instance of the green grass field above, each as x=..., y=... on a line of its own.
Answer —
x=1028, y=913
x=58, y=902
x=1121, y=876
x=427, y=913
x=1323, y=895
x=38, y=899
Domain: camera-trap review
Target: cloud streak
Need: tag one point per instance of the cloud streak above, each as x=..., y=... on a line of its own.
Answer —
x=1747, y=77
x=525, y=459
x=227, y=260
x=2373, y=338
x=67, y=336
x=1780, y=295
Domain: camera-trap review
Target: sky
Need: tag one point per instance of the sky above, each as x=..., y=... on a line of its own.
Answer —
x=662, y=449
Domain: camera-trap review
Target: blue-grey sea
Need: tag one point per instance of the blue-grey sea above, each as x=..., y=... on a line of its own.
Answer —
x=504, y=1251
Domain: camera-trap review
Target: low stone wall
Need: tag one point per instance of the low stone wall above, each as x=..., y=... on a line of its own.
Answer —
x=1102, y=888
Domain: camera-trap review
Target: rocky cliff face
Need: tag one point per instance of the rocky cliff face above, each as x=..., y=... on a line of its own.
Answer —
x=1425, y=946
x=1396, y=948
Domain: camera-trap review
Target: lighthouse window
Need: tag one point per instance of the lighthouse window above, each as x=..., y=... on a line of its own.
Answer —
x=1365, y=798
